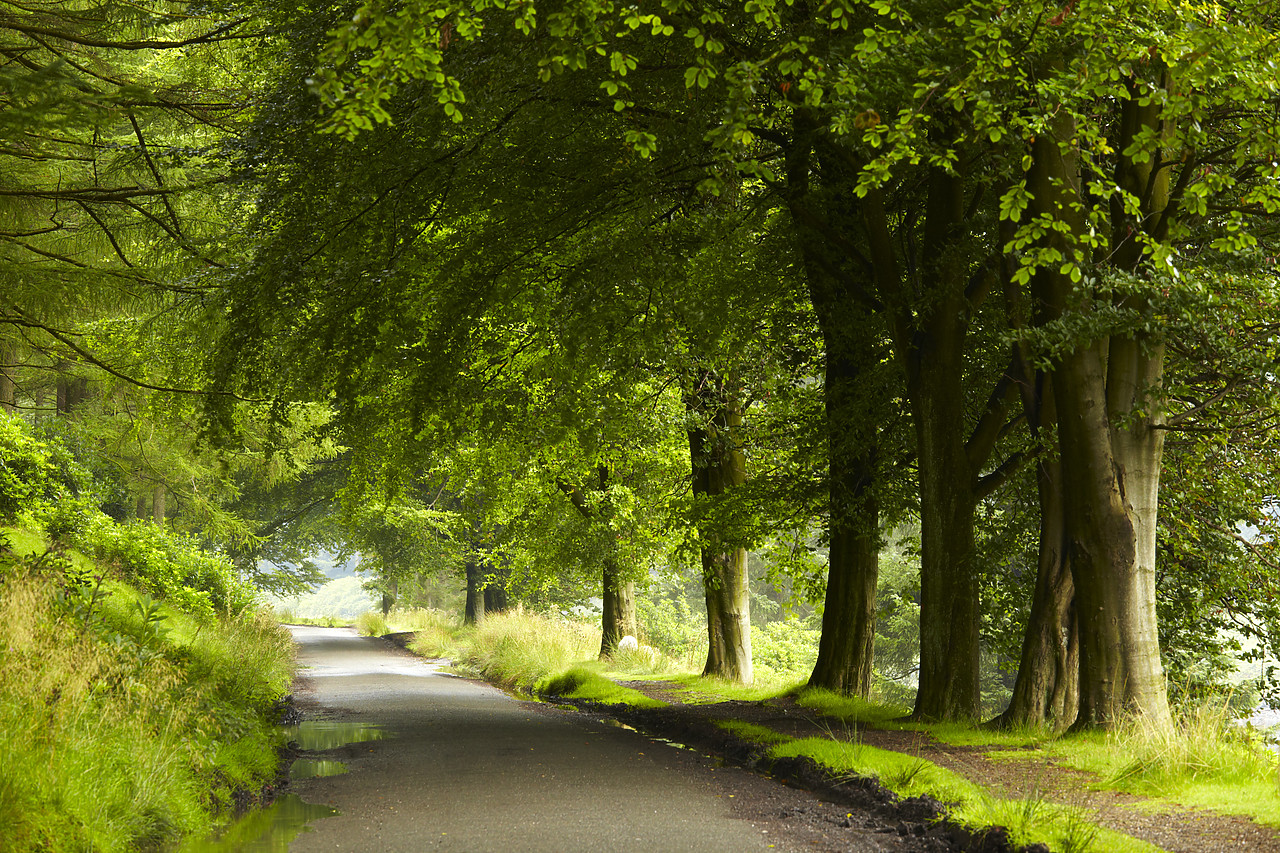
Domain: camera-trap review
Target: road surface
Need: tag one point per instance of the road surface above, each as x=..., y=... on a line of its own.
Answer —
x=468, y=768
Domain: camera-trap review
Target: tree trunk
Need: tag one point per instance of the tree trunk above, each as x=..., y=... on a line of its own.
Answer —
x=8, y=370
x=141, y=510
x=1047, y=689
x=158, y=507
x=851, y=333
x=1111, y=478
x=720, y=465
x=1046, y=692
x=474, y=612
x=846, y=645
x=63, y=389
x=949, y=610
x=1111, y=446
x=389, y=595
x=930, y=343
x=619, y=606
x=495, y=595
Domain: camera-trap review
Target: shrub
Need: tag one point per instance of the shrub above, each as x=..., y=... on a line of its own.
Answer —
x=168, y=565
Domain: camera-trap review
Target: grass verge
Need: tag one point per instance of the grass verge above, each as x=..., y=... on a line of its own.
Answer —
x=1029, y=821
x=126, y=724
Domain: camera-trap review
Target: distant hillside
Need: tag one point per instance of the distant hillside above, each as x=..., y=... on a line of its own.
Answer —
x=342, y=597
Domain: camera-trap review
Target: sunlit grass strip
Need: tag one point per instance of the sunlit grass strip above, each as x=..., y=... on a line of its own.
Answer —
x=704, y=689
x=1028, y=820
x=1205, y=761
x=585, y=682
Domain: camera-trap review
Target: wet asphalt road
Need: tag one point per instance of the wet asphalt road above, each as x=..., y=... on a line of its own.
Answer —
x=468, y=768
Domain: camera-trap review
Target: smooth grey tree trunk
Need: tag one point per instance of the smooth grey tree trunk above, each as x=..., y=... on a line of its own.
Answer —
x=1111, y=444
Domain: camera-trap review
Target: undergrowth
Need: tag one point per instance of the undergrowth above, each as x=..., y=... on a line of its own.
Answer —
x=127, y=724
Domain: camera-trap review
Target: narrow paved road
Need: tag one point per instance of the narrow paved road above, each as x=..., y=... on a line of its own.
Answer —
x=468, y=768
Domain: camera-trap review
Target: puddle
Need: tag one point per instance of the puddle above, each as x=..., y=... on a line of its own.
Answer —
x=319, y=735
x=271, y=830
x=268, y=830
x=315, y=768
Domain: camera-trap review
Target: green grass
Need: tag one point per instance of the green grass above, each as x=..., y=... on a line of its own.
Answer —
x=1065, y=829
x=1029, y=820
x=850, y=709
x=752, y=732
x=586, y=682
x=703, y=689
x=372, y=623
x=1204, y=761
x=124, y=723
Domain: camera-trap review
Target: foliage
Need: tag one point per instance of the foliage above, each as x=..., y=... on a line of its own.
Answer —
x=35, y=470
x=783, y=650
x=54, y=490
x=127, y=723
x=171, y=566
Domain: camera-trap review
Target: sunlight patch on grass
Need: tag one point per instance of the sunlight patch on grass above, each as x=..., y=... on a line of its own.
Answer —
x=850, y=709
x=752, y=732
x=967, y=734
x=905, y=775
x=584, y=682
x=703, y=689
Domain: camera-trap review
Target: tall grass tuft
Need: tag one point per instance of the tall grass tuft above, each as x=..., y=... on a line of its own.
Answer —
x=1204, y=744
x=372, y=623
x=518, y=648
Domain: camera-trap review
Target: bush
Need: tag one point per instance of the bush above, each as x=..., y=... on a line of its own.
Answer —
x=784, y=650
x=172, y=566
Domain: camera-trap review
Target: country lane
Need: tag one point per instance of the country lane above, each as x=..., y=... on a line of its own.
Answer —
x=466, y=767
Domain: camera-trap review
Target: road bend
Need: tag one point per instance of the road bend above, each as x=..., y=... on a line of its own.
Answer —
x=468, y=768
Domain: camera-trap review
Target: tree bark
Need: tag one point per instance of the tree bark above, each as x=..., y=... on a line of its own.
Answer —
x=850, y=334
x=719, y=465
x=474, y=611
x=158, y=504
x=1109, y=414
x=619, y=606
x=1047, y=689
x=8, y=370
x=495, y=594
